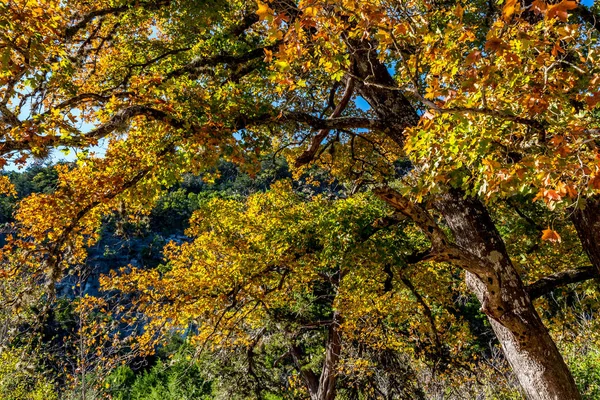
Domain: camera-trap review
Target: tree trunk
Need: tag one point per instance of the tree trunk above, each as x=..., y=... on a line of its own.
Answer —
x=526, y=342
x=587, y=224
x=323, y=387
x=327, y=383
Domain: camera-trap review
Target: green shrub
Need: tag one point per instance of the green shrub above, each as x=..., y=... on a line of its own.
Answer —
x=586, y=371
x=177, y=380
x=21, y=379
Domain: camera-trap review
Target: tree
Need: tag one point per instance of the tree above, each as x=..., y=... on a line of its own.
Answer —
x=281, y=269
x=486, y=100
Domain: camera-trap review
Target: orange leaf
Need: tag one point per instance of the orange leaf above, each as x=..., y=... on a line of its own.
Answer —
x=550, y=235
x=560, y=10
x=595, y=182
x=473, y=57
x=552, y=195
x=495, y=44
x=509, y=8
x=539, y=6
x=459, y=11
x=268, y=56
x=571, y=192
x=593, y=100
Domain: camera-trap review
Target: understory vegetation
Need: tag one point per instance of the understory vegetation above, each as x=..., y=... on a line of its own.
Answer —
x=401, y=362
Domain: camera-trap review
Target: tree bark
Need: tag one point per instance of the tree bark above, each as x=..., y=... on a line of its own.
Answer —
x=323, y=387
x=549, y=283
x=327, y=383
x=308, y=376
x=587, y=225
x=527, y=344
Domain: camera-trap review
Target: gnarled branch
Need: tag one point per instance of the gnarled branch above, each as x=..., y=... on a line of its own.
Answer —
x=549, y=283
x=89, y=17
x=441, y=248
x=308, y=155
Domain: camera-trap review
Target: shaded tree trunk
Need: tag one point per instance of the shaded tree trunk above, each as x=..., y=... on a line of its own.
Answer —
x=327, y=383
x=526, y=342
x=587, y=225
x=323, y=387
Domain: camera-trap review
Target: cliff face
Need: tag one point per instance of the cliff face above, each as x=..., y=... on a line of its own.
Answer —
x=113, y=252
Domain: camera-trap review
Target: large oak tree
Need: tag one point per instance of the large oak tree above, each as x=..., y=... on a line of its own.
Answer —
x=485, y=100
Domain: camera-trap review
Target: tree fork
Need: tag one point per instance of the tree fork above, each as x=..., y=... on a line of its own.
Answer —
x=528, y=347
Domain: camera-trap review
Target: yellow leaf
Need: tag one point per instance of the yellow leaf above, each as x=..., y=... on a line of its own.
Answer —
x=282, y=65
x=6, y=187
x=510, y=7
x=263, y=11
x=310, y=11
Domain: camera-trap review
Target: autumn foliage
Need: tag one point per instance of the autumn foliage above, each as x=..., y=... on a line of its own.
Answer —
x=441, y=153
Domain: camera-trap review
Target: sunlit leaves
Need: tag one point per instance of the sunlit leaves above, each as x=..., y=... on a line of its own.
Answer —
x=264, y=11
x=508, y=99
x=509, y=8
x=561, y=9
x=249, y=264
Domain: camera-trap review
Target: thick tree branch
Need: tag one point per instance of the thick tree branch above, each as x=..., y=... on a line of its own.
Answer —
x=418, y=257
x=549, y=283
x=416, y=213
x=333, y=348
x=333, y=123
x=500, y=114
x=201, y=64
x=158, y=58
x=8, y=116
x=493, y=113
x=122, y=118
x=72, y=30
x=310, y=378
x=443, y=251
x=441, y=248
x=119, y=120
x=308, y=155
